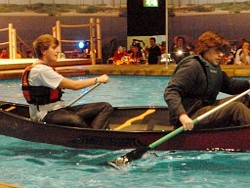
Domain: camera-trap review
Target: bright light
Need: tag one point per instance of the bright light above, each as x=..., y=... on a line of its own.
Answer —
x=179, y=52
x=81, y=45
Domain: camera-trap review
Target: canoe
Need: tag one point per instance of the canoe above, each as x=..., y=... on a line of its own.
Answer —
x=130, y=127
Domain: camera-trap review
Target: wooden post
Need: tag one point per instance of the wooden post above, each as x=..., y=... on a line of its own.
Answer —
x=166, y=32
x=58, y=36
x=99, y=38
x=10, y=41
x=54, y=32
x=14, y=45
x=92, y=41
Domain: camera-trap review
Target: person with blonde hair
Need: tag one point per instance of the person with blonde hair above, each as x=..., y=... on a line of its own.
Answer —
x=42, y=88
x=196, y=82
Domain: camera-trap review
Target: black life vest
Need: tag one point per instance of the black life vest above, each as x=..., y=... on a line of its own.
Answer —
x=214, y=78
x=38, y=95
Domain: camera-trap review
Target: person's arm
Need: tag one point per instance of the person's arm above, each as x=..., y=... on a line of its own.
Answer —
x=80, y=84
x=237, y=57
x=159, y=55
x=233, y=86
x=182, y=82
x=247, y=60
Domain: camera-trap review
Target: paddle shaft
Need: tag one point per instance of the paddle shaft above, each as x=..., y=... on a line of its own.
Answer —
x=196, y=120
x=81, y=96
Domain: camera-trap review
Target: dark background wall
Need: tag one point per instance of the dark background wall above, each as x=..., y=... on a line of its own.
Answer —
x=145, y=21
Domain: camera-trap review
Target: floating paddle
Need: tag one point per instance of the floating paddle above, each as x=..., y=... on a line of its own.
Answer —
x=138, y=153
x=130, y=121
x=81, y=96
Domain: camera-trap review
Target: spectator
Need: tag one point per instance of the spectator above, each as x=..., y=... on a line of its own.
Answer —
x=18, y=56
x=131, y=48
x=240, y=43
x=242, y=56
x=136, y=55
x=4, y=54
x=233, y=48
x=180, y=51
x=154, y=52
x=228, y=59
x=174, y=45
x=119, y=54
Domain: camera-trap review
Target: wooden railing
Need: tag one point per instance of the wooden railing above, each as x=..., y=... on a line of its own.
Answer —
x=95, y=37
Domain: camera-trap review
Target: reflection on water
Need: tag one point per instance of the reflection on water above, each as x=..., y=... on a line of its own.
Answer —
x=36, y=165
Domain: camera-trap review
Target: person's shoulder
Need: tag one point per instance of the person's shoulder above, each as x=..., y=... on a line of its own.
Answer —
x=42, y=69
x=158, y=47
x=192, y=60
x=42, y=66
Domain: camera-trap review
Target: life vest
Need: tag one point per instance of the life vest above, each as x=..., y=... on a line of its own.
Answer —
x=38, y=95
x=213, y=76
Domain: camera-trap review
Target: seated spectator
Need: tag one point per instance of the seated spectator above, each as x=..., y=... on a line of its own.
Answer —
x=18, y=56
x=4, y=54
x=242, y=56
x=136, y=55
x=174, y=45
x=228, y=59
x=119, y=55
x=180, y=51
x=131, y=49
x=233, y=48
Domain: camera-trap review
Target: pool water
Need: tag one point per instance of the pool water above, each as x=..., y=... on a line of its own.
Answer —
x=36, y=165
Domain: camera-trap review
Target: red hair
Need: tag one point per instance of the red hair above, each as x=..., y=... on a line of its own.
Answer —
x=209, y=40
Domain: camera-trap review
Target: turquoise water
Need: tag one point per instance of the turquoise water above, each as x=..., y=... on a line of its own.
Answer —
x=36, y=165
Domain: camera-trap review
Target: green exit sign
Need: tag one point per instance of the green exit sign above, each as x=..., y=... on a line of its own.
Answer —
x=150, y=3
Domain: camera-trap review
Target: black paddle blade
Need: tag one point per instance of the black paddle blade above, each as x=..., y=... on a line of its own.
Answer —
x=129, y=157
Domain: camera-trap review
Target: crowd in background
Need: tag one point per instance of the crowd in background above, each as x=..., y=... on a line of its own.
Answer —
x=238, y=53
x=138, y=53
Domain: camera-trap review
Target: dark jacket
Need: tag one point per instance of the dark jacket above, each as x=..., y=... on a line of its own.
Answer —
x=154, y=52
x=188, y=88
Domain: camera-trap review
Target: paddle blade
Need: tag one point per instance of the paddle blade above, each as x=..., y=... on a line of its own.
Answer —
x=129, y=157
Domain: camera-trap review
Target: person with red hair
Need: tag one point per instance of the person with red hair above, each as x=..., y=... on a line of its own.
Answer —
x=196, y=82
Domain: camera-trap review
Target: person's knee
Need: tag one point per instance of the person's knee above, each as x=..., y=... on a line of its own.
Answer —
x=237, y=106
x=238, y=110
x=106, y=106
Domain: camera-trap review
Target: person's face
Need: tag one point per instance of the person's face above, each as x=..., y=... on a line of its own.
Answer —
x=120, y=49
x=245, y=45
x=152, y=42
x=180, y=42
x=213, y=56
x=135, y=49
x=50, y=55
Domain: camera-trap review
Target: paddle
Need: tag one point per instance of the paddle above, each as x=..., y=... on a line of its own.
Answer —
x=81, y=96
x=130, y=121
x=138, y=153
